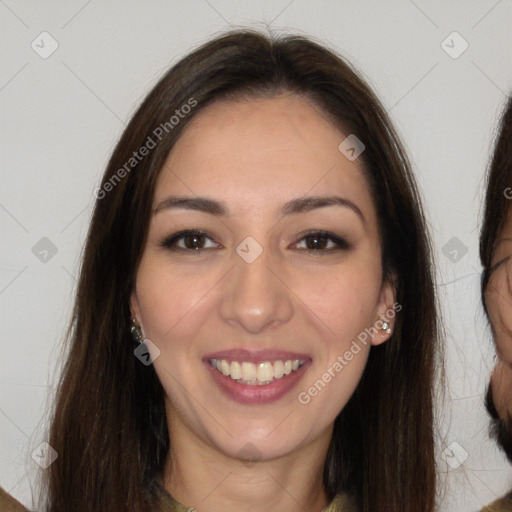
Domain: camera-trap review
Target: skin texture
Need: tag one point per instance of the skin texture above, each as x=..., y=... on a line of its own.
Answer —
x=498, y=298
x=255, y=155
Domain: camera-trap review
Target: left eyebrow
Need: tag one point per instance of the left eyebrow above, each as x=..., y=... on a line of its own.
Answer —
x=306, y=204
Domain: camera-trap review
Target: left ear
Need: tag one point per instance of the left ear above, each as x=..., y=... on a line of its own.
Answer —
x=387, y=309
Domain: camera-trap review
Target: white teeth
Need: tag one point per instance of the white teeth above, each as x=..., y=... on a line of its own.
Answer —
x=278, y=369
x=235, y=370
x=225, y=367
x=248, y=371
x=265, y=372
x=260, y=374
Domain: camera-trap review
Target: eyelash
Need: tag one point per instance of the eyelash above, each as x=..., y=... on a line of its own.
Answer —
x=341, y=244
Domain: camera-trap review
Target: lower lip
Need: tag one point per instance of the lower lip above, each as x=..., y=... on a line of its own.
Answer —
x=263, y=394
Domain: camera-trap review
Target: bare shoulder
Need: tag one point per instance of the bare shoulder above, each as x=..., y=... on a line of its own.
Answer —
x=9, y=504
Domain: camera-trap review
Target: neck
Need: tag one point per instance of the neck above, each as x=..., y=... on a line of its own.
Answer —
x=199, y=475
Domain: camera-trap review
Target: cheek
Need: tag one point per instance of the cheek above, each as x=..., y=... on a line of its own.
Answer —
x=339, y=301
x=344, y=299
x=167, y=295
x=173, y=306
x=343, y=306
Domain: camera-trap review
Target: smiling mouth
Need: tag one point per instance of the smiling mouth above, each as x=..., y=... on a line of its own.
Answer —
x=259, y=374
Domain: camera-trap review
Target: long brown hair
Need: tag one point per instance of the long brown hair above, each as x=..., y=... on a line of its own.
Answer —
x=109, y=425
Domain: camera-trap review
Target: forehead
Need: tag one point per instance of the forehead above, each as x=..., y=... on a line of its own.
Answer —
x=259, y=150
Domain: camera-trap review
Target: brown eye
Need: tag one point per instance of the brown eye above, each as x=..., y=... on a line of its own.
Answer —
x=188, y=240
x=317, y=242
x=322, y=242
x=193, y=241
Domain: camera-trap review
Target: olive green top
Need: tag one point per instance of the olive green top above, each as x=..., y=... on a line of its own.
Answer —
x=502, y=505
x=340, y=503
x=9, y=504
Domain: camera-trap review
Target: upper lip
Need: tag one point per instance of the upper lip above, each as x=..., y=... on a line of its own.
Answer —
x=256, y=356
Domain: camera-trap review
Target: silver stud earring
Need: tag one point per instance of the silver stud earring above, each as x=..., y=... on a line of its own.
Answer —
x=136, y=332
x=386, y=328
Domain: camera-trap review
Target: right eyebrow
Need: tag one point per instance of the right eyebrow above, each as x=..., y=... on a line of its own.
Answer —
x=202, y=204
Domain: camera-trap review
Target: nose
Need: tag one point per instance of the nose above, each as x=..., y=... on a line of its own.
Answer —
x=256, y=296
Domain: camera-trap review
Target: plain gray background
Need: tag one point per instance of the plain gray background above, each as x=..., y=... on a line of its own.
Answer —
x=61, y=116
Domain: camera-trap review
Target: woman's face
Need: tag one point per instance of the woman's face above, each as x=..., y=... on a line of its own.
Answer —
x=498, y=299
x=258, y=287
